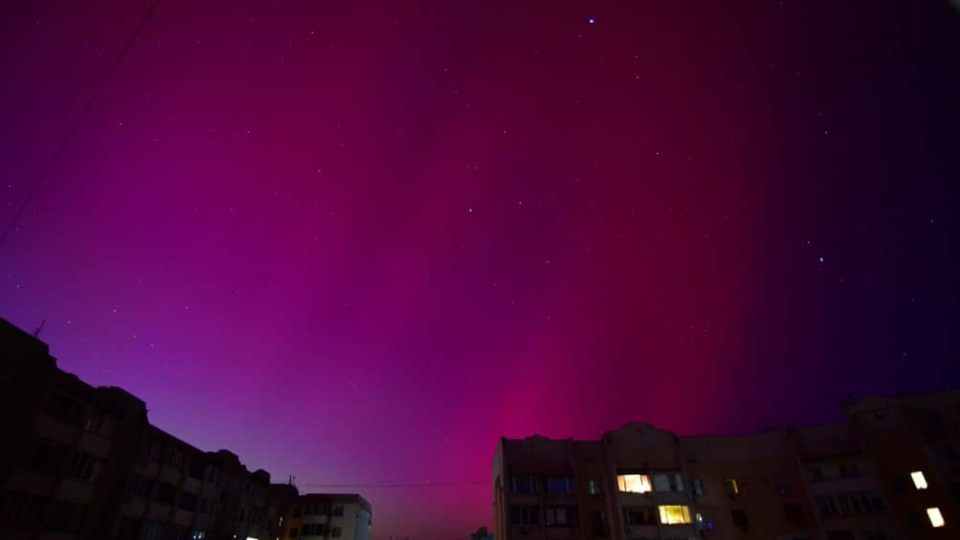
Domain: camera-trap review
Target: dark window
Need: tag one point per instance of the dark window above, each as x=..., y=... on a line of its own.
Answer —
x=523, y=484
x=794, y=512
x=783, y=481
x=19, y=509
x=338, y=511
x=188, y=502
x=335, y=532
x=524, y=515
x=816, y=473
x=152, y=530
x=915, y=520
x=559, y=485
x=139, y=487
x=46, y=457
x=166, y=494
x=598, y=520
x=640, y=515
x=63, y=517
x=899, y=482
x=849, y=470
x=64, y=409
x=740, y=519
x=293, y=532
x=874, y=535
x=81, y=465
x=955, y=487
x=560, y=516
x=698, y=487
x=840, y=535
x=129, y=527
x=296, y=511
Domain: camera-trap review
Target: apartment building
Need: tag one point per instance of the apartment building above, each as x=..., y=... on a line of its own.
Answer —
x=81, y=462
x=891, y=471
x=326, y=516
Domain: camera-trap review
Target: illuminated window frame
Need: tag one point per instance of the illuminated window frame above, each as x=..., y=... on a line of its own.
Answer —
x=674, y=514
x=634, y=483
x=936, y=518
x=919, y=481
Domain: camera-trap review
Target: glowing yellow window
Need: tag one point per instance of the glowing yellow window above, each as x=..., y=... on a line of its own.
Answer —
x=674, y=515
x=918, y=480
x=733, y=488
x=936, y=518
x=634, y=483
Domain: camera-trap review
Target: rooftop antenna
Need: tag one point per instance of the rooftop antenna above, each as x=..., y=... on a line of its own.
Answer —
x=36, y=333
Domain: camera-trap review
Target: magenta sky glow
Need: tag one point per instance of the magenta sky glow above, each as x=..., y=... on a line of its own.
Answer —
x=359, y=241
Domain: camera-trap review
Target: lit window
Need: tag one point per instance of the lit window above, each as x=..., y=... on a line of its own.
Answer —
x=918, y=480
x=634, y=483
x=733, y=488
x=674, y=515
x=936, y=518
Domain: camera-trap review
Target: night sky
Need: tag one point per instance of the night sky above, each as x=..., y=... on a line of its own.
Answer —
x=358, y=241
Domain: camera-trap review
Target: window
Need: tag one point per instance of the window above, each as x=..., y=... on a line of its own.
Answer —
x=523, y=484
x=698, y=487
x=63, y=517
x=293, y=532
x=335, y=532
x=783, y=481
x=46, y=457
x=740, y=519
x=152, y=530
x=919, y=481
x=64, y=409
x=523, y=515
x=667, y=482
x=19, y=509
x=338, y=511
x=846, y=504
x=598, y=521
x=899, y=482
x=936, y=518
x=634, y=483
x=733, y=488
x=793, y=512
x=639, y=515
x=849, y=470
x=188, y=501
x=198, y=535
x=81, y=465
x=559, y=485
x=129, y=527
x=593, y=487
x=874, y=535
x=139, y=487
x=560, y=516
x=175, y=459
x=674, y=515
x=166, y=494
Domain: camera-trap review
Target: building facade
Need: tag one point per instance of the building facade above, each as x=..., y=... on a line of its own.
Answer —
x=891, y=471
x=81, y=462
x=326, y=516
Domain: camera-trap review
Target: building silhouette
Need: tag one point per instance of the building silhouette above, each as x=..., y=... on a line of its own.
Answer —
x=890, y=471
x=81, y=462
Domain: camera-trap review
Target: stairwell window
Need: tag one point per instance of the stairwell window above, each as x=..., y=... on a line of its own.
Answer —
x=674, y=515
x=936, y=518
x=634, y=483
x=919, y=481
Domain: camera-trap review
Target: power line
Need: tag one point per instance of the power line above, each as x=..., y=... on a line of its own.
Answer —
x=31, y=193
x=397, y=485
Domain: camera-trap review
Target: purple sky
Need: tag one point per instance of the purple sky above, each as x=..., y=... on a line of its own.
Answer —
x=358, y=241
